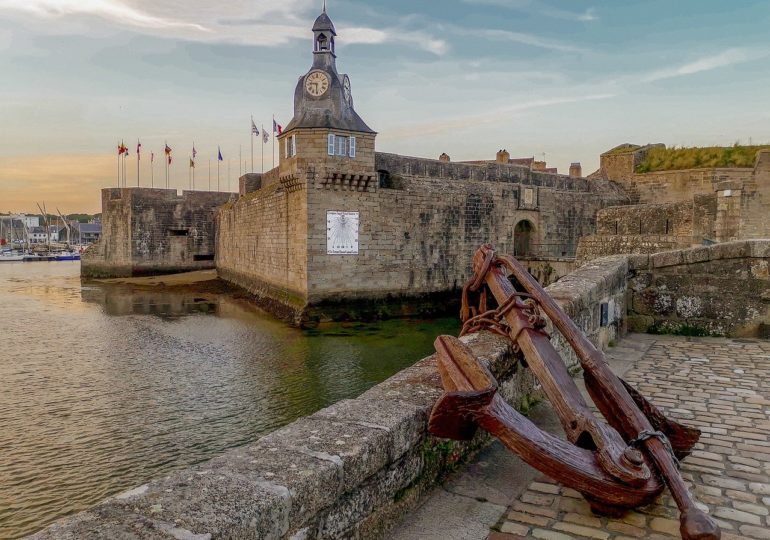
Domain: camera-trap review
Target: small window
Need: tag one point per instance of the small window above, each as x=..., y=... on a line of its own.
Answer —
x=206, y=257
x=291, y=146
x=331, y=144
x=352, y=147
x=178, y=232
x=342, y=146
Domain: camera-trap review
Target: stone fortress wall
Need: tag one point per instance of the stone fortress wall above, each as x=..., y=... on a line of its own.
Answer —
x=679, y=208
x=153, y=231
x=420, y=222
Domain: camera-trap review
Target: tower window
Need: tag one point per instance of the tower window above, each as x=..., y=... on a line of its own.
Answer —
x=341, y=146
x=291, y=146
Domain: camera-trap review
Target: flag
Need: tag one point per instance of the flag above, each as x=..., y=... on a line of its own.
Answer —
x=169, y=159
x=122, y=149
x=195, y=152
x=168, y=150
x=254, y=129
x=277, y=128
x=152, y=157
x=138, y=149
x=219, y=154
x=192, y=163
x=265, y=136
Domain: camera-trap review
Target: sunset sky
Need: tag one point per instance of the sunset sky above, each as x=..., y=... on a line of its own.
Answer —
x=568, y=79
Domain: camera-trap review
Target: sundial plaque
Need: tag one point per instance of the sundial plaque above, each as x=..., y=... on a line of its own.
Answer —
x=341, y=233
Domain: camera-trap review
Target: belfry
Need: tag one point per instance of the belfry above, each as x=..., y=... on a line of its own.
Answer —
x=324, y=116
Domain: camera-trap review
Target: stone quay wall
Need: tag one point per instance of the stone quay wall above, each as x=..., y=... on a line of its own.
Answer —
x=348, y=471
x=154, y=231
x=721, y=290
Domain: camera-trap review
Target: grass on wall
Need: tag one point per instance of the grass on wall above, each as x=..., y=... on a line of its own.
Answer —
x=670, y=159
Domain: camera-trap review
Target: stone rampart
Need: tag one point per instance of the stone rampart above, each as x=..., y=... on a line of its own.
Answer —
x=154, y=231
x=721, y=290
x=349, y=471
x=419, y=223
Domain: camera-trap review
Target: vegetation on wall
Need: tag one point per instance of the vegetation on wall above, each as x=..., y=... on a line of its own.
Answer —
x=669, y=159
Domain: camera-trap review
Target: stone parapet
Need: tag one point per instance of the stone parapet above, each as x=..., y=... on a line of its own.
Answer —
x=721, y=290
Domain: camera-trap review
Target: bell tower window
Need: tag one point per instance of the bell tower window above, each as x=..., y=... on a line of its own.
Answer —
x=322, y=43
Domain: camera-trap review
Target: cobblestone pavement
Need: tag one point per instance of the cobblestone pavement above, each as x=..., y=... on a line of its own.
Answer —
x=722, y=386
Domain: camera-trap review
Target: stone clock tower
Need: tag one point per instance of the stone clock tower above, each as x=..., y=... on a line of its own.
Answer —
x=326, y=139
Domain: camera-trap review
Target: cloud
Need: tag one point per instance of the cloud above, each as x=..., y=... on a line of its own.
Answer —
x=726, y=58
x=527, y=39
x=241, y=22
x=113, y=10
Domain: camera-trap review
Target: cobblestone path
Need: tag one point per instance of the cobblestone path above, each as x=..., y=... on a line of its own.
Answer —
x=722, y=386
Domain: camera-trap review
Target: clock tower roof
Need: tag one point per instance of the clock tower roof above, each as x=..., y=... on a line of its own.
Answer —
x=324, y=24
x=322, y=98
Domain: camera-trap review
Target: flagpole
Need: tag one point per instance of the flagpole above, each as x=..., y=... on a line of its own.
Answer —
x=228, y=174
x=152, y=170
x=252, y=143
x=240, y=157
x=263, y=148
x=165, y=153
x=209, y=174
x=138, y=159
x=119, y=154
x=220, y=152
x=273, y=141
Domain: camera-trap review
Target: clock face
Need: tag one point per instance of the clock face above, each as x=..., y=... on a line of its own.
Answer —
x=342, y=233
x=317, y=83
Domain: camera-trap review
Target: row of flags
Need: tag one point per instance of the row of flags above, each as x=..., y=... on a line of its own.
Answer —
x=123, y=149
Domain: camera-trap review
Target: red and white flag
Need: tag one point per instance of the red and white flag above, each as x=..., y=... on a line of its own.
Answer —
x=277, y=128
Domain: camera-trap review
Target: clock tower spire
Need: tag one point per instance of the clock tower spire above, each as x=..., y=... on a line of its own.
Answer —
x=322, y=98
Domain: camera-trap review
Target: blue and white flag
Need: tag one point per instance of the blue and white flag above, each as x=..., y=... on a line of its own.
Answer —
x=254, y=129
x=219, y=154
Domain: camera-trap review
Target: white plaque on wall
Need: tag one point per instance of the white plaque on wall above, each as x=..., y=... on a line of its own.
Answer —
x=341, y=233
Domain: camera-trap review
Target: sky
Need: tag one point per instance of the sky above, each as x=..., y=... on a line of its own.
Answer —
x=564, y=80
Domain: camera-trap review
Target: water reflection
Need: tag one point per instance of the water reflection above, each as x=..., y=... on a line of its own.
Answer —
x=103, y=387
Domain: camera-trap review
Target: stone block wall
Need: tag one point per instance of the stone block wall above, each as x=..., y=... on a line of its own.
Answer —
x=596, y=246
x=755, y=200
x=422, y=223
x=672, y=219
x=154, y=231
x=261, y=243
x=722, y=289
x=348, y=471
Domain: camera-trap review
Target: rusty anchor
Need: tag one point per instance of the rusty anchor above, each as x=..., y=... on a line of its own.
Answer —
x=616, y=467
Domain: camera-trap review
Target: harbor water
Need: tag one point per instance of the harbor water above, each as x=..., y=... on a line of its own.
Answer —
x=105, y=386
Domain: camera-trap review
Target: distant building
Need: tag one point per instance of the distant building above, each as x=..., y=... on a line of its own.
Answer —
x=81, y=233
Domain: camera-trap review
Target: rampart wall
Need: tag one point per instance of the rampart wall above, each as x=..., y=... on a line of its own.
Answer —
x=349, y=471
x=419, y=224
x=154, y=231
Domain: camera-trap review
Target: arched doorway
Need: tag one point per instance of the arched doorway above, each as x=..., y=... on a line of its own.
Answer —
x=522, y=238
